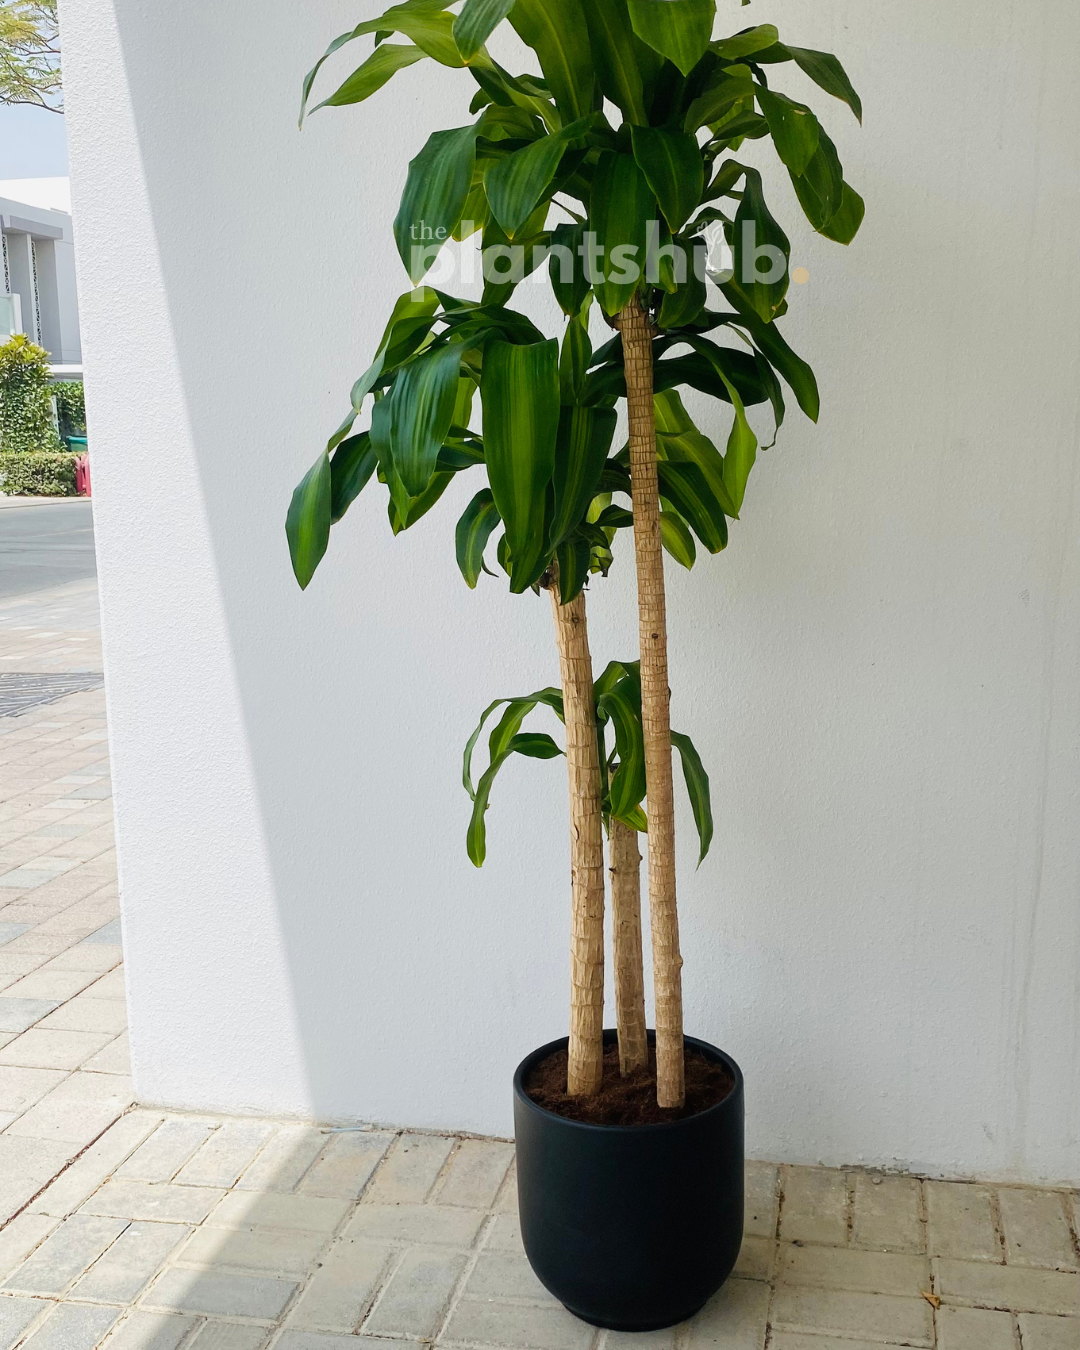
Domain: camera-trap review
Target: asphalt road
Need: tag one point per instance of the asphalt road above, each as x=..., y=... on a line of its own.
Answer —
x=45, y=545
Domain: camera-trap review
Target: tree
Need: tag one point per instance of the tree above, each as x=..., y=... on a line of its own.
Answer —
x=30, y=54
x=639, y=199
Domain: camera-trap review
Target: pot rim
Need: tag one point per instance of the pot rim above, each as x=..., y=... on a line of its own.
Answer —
x=543, y=1051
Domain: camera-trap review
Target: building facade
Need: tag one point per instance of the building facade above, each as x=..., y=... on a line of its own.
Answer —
x=38, y=296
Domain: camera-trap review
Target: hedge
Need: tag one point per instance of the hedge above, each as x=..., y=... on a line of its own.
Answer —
x=26, y=413
x=38, y=473
x=70, y=407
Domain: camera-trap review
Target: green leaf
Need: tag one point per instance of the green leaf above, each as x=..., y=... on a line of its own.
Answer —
x=574, y=358
x=672, y=164
x=793, y=127
x=741, y=450
x=685, y=487
x=820, y=187
x=680, y=441
x=677, y=539
x=622, y=704
x=516, y=184
x=684, y=305
x=421, y=412
x=757, y=235
x=573, y=555
x=718, y=99
x=580, y=455
x=473, y=531
x=382, y=65
x=536, y=745
x=557, y=33
x=621, y=207
x=697, y=786
x=827, y=72
x=624, y=66
x=792, y=367
x=844, y=226
x=566, y=268
x=520, y=392
x=746, y=44
x=352, y=465
x=418, y=507
x=677, y=29
x=476, y=22
x=307, y=524
x=435, y=194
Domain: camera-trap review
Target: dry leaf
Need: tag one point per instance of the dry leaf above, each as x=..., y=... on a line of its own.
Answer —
x=932, y=1299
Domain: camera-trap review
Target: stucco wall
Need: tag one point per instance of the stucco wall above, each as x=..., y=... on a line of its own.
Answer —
x=881, y=671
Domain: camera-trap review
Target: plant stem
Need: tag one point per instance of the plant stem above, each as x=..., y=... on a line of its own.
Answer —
x=586, y=1058
x=634, y=324
x=626, y=940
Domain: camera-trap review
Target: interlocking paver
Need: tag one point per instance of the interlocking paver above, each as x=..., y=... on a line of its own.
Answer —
x=142, y=1200
x=349, y=1159
x=415, y=1299
x=230, y=1336
x=416, y=1223
x=78, y=1109
x=87, y=1173
x=222, y=1158
x=129, y=1265
x=409, y=1170
x=733, y=1319
x=505, y=1275
x=759, y=1212
x=73, y=1326
x=1039, y=1332
x=1036, y=1228
x=166, y=1150
x=974, y=1329
x=960, y=1222
x=814, y=1206
x=285, y=1159
x=517, y=1326
x=477, y=1170
x=847, y=1313
x=63, y=1256
x=887, y=1214
x=1019, y=1288
x=149, y=1331
x=16, y=1314
x=870, y=1272
x=53, y=1049
x=278, y=1250
x=19, y=1238
x=181, y=1289
x=343, y=1288
x=252, y=1209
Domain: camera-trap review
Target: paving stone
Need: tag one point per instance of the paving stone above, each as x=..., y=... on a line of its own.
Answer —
x=733, y=1319
x=16, y=1314
x=19, y=1014
x=25, y=1168
x=974, y=1329
x=640, y=1340
x=415, y=1300
x=88, y=1014
x=114, y=1057
x=844, y=1268
x=64, y=1255
x=166, y=1150
x=55, y=985
x=130, y=1263
x=760, y=1206
x=278, y=1250
x=149, y=1331
x=255, y=1209
x=504, y=1235
x=286, y=1158
x=108, y=935
x=959, y=1222
x=476, y=1172
x=1018, y=1288
x=158, y=1203
x=313, y=1340
x=341, y=1290
x=409, y=1170
x=230, y=1336
x=203, y=1291
x=516, y=1325
x=795, y=1340
x=814, y=1207
x=1039, y=1332
x=881, y=1317
x=887, y=1214
x=503, y=1275
x=225, y=1154
x=79, y=1109
x=347, y=1164
x=432, y=1224
x=110, y=985
x=86, y=956
x=19, y=1238
x=53, y=1049
x=11, y=930
x=1036, y=1228
x=22, y=1086
x=755, y=1259
x=88, y=1172
x=73, y=1326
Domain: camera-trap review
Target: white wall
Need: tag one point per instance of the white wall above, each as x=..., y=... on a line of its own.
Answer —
x=881, y=671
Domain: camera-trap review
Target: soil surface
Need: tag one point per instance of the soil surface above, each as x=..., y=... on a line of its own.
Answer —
x=630, y=1100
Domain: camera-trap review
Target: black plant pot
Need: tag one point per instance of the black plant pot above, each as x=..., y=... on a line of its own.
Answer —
x=631, y=1227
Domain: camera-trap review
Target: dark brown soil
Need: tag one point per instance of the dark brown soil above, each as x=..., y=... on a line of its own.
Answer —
x=631, y=1100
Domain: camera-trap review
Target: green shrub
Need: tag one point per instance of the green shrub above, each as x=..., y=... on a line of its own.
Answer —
x=26, y=415
x=38, y=473
x=70, y=407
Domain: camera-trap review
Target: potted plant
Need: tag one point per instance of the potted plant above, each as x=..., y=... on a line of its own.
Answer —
x=630, y=1187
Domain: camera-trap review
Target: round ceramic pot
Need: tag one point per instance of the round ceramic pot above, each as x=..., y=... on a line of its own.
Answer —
x=631, y=1227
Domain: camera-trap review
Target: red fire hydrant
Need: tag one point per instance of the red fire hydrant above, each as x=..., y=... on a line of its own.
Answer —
x=82, y=476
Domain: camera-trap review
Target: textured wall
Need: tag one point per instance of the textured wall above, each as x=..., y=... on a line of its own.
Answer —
x=880, y=672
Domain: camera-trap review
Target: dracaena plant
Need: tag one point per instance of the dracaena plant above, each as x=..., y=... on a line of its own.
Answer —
x=610, y=169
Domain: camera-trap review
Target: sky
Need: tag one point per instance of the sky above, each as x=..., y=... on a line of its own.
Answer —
x=33, y=143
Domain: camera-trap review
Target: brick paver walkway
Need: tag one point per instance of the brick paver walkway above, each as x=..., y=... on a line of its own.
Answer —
x=135, y=1229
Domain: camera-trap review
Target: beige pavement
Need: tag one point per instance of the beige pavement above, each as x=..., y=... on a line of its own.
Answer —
x=136, y=1229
